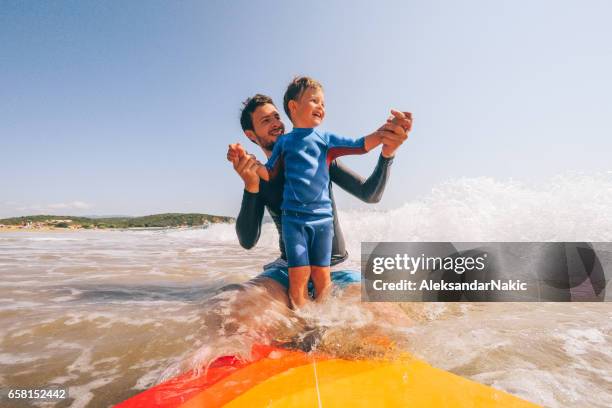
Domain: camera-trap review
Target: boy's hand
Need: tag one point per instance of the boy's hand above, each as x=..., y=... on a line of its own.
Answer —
x=395, y=131
x=245, y=165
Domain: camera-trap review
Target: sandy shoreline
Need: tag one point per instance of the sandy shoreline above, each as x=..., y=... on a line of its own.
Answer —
x=19, y=228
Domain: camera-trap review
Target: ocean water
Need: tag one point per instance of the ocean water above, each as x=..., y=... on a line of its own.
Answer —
x=111, y=313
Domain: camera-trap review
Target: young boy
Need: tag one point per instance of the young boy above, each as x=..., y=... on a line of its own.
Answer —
x=304, y=154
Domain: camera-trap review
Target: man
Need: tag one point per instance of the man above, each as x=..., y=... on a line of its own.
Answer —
x=261, y=123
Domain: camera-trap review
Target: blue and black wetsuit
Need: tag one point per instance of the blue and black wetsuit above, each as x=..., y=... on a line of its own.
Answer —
x=270, y=197
x=303, y=156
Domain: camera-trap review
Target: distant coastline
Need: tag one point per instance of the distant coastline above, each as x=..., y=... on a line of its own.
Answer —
x=67, y=222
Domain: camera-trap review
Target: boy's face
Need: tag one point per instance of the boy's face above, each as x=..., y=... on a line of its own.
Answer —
x=309, y=110
x=267, y=126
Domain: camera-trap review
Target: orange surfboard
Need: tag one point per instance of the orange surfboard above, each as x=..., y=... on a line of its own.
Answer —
x=276, y=377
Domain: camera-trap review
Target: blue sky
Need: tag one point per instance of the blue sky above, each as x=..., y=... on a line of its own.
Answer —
x=128, y=107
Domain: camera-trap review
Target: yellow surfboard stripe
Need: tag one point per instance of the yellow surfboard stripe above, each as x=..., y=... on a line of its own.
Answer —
x=344, y=383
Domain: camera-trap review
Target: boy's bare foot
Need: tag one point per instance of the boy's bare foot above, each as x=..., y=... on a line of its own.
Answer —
x=322, y=294
x=297, y=300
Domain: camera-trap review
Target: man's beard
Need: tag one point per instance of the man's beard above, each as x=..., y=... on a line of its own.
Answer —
x=265, y=145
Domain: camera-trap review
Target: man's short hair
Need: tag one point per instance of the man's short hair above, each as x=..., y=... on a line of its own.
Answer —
x=249, y=106
x=296, y=88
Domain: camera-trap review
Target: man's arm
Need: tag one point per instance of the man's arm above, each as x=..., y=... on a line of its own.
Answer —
x=246, y=165
x=394, y=133
x=369, y=190
x=248, y=223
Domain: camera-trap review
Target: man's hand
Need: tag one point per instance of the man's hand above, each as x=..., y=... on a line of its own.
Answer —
x=395, y=131
x=235, y=151
x=245, y=165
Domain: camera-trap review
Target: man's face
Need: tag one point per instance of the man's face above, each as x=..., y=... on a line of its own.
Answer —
x=267, y=126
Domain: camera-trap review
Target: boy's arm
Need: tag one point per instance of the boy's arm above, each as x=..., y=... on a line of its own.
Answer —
x=343, y=146
x=263, y=173
x=274, y=164
x=372, y=140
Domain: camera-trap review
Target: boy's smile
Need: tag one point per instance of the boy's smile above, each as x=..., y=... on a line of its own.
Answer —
x=309, y=109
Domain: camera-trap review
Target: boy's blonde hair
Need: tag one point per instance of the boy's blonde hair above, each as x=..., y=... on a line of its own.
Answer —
x=296, y=88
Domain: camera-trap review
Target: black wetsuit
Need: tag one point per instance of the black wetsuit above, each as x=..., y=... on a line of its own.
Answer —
x=248, y=223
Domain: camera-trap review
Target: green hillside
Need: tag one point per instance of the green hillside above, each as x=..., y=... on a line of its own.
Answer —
x=157, y=220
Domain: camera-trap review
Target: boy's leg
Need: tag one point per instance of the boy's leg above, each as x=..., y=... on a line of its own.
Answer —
x=296, y=249
x=321, y=280
x=298, y=286
x=322, y=233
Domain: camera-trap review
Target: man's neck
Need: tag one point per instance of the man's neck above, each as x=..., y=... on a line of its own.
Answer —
x=267, y=152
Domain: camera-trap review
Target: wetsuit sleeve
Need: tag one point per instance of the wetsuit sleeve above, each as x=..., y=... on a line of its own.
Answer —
x=369, y=190
x=341, y=146
x=248, y=223
x=339, y=252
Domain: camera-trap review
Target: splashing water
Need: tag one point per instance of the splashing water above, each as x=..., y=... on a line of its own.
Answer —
x=111, y=313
